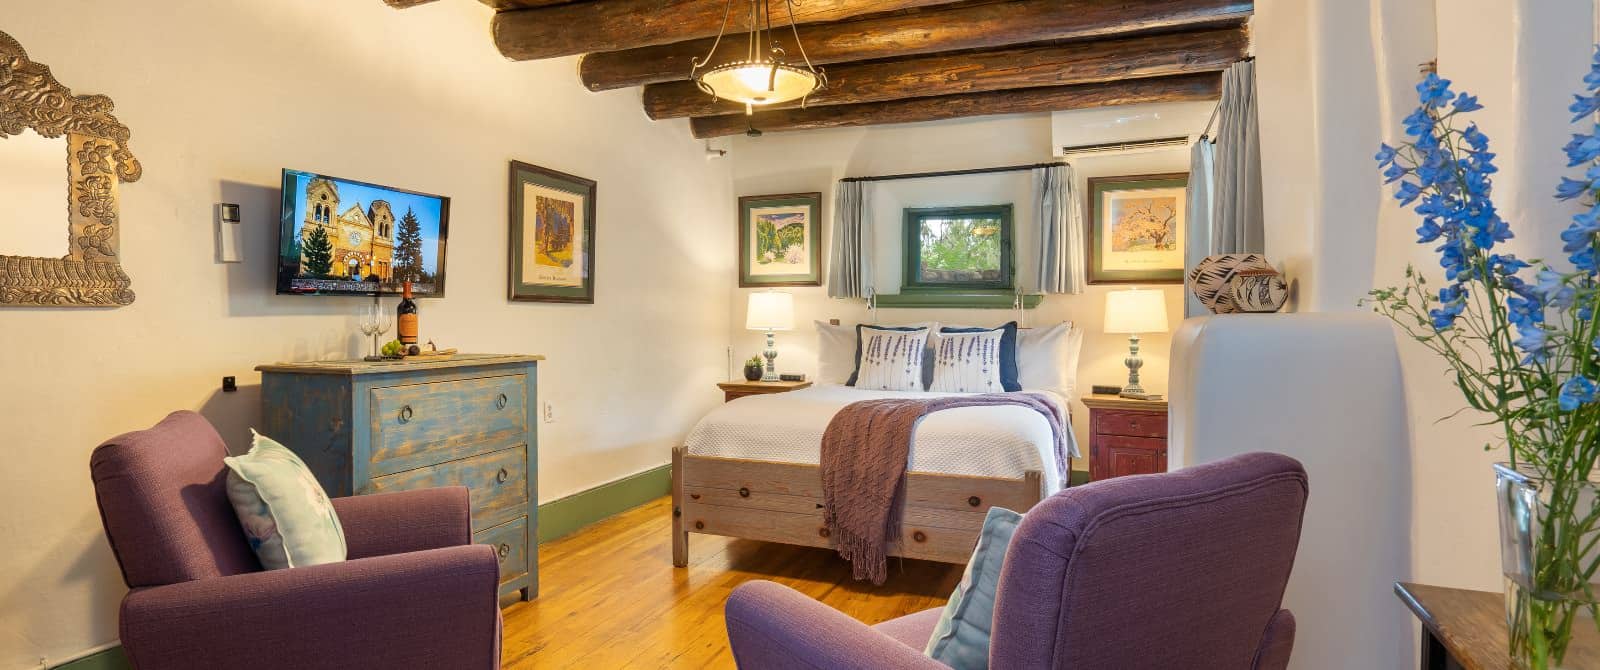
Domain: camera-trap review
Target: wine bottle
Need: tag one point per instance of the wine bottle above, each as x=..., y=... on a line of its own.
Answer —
x=406, y=317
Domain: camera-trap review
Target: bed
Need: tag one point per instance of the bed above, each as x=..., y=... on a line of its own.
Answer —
x=749, y=470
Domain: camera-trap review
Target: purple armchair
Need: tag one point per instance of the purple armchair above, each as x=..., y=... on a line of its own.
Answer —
x=415, y=592
x=1178, y=570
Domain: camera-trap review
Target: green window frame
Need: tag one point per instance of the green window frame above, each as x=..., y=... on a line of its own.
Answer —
x=912, y=247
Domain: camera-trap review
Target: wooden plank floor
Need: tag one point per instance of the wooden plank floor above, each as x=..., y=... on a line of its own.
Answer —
x=610, y=598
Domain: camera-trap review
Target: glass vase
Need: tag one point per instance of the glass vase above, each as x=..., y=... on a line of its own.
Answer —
x=1548, y=556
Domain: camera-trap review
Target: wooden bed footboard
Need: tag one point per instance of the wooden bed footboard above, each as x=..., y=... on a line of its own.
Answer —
x=782, y=502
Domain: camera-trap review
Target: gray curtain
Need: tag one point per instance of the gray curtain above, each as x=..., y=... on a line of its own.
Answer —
x=1236, y=224
x=850, y=265
x=1202, y=177
x=1060, y=246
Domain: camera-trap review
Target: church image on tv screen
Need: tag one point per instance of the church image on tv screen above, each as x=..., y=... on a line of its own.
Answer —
x=349, y=237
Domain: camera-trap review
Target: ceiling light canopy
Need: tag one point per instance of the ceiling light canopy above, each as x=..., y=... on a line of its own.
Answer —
x=763, y=76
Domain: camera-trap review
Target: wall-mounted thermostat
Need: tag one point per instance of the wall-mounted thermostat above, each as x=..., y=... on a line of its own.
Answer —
x=230, y=242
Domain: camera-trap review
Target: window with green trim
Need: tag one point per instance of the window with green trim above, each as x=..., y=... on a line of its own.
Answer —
x=958, y=249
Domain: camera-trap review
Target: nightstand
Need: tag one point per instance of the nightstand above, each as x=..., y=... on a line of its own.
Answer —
x=1126, y=436
x=732, y=390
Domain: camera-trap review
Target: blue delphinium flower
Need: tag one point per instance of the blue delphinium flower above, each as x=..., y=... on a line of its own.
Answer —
x=1434, y=91
x=1553, y=290
x=1582, y=149
x=1452, y=302
x=1576, y=392
x=1571, y=188
x=1466, y=103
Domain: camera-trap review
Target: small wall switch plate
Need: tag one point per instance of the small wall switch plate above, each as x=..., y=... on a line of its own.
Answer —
x=229, y=385
x=549, y=413
x=230, y=243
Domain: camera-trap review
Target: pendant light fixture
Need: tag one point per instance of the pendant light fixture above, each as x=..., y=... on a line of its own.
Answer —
x=764, y=76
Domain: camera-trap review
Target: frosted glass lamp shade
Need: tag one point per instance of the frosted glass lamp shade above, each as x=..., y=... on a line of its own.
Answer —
x=1136, y=311
x=759, y=83
x=770, y=310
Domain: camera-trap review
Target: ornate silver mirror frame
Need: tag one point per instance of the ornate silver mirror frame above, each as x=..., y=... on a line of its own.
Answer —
x=98, y=158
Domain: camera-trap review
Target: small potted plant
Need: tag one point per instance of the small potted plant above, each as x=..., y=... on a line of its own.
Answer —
x=753, y=369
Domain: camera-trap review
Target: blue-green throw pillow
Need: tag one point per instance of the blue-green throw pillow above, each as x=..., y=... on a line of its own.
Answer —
x=285, y=513
x=961, y=638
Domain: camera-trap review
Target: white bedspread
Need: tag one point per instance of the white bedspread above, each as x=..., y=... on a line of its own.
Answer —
x=997, y=441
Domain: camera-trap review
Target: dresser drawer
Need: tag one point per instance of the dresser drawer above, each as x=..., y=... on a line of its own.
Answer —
x=498, y=481
x=1131, y=424
x=423, y=424
x=510, y=542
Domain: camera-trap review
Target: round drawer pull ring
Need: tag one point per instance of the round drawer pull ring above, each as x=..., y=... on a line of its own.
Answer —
x=744, y=493
x=502, y=476
x=505, y=550
x=823, y=532
x=405, y=414
x=919, y=536
x=500, y=402
x=699, y=525
x=974, y=501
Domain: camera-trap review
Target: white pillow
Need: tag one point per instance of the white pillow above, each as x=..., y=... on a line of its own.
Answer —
x=967, y=362
x=891, y=360
x=836, y=352
x=1047, y=358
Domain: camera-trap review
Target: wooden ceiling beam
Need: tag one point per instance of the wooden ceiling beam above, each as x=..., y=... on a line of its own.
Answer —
x=611, y=25
x=1182, y=88
x=975, y=72
x=503, y=5
x=981, y=25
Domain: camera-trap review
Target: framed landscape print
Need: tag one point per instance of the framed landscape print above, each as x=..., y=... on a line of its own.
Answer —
x=1137, y=229
x=780, y=240
x=552, y=235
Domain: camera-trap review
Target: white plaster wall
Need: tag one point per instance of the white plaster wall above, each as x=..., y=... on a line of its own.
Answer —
x=1336, y=78
x=221, y=96
x=815, y=161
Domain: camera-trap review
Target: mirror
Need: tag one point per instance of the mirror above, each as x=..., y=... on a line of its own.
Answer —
x=42, y=124
x=33, y=185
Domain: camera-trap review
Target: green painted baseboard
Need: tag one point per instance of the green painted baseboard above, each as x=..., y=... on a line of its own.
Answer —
x=108, y=659
x=559, y=518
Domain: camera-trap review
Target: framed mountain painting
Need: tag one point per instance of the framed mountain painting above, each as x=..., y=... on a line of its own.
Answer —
x=1137, y=229
x=552, y=235
x=780, y=240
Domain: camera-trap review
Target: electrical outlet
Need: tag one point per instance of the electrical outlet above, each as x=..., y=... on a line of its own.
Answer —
x=549, y=412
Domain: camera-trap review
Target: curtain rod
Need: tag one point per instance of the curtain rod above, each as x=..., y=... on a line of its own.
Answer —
x=952, y=173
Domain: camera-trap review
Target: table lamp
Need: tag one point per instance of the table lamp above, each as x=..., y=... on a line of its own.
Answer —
x=770, y=311
x=1133, y=312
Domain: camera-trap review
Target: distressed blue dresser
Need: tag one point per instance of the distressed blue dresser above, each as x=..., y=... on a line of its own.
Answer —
x=469, y=420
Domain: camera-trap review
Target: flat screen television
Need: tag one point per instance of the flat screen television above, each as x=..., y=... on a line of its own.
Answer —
x=342, y=237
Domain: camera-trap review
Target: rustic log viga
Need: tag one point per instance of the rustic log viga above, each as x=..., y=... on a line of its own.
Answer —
x=98, y=159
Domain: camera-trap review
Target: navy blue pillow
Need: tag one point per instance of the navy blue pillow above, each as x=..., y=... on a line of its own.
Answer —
x=1008, y=352
x=927, y=361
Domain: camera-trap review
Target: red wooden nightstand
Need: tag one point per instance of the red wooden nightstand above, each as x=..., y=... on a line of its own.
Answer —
x=1126, y=436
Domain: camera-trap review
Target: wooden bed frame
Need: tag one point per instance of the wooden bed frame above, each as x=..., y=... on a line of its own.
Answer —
x=782, y=502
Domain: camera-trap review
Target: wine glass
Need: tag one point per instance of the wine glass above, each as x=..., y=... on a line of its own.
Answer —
x=375, y=321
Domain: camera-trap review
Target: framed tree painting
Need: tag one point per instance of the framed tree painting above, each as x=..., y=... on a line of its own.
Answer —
x=552, y=235
x=1137, y=229
x=780, y=240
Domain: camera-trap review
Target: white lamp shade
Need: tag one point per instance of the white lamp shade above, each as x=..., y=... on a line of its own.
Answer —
x=1136, y=311
x=770, y=310
x=760, y=83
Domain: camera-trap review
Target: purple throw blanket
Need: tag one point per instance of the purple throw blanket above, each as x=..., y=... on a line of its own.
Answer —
x=866, y=450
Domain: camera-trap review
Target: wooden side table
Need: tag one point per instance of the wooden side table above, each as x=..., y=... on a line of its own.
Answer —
x=734, y=390
x=1467, y=629
x=1126, y=436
